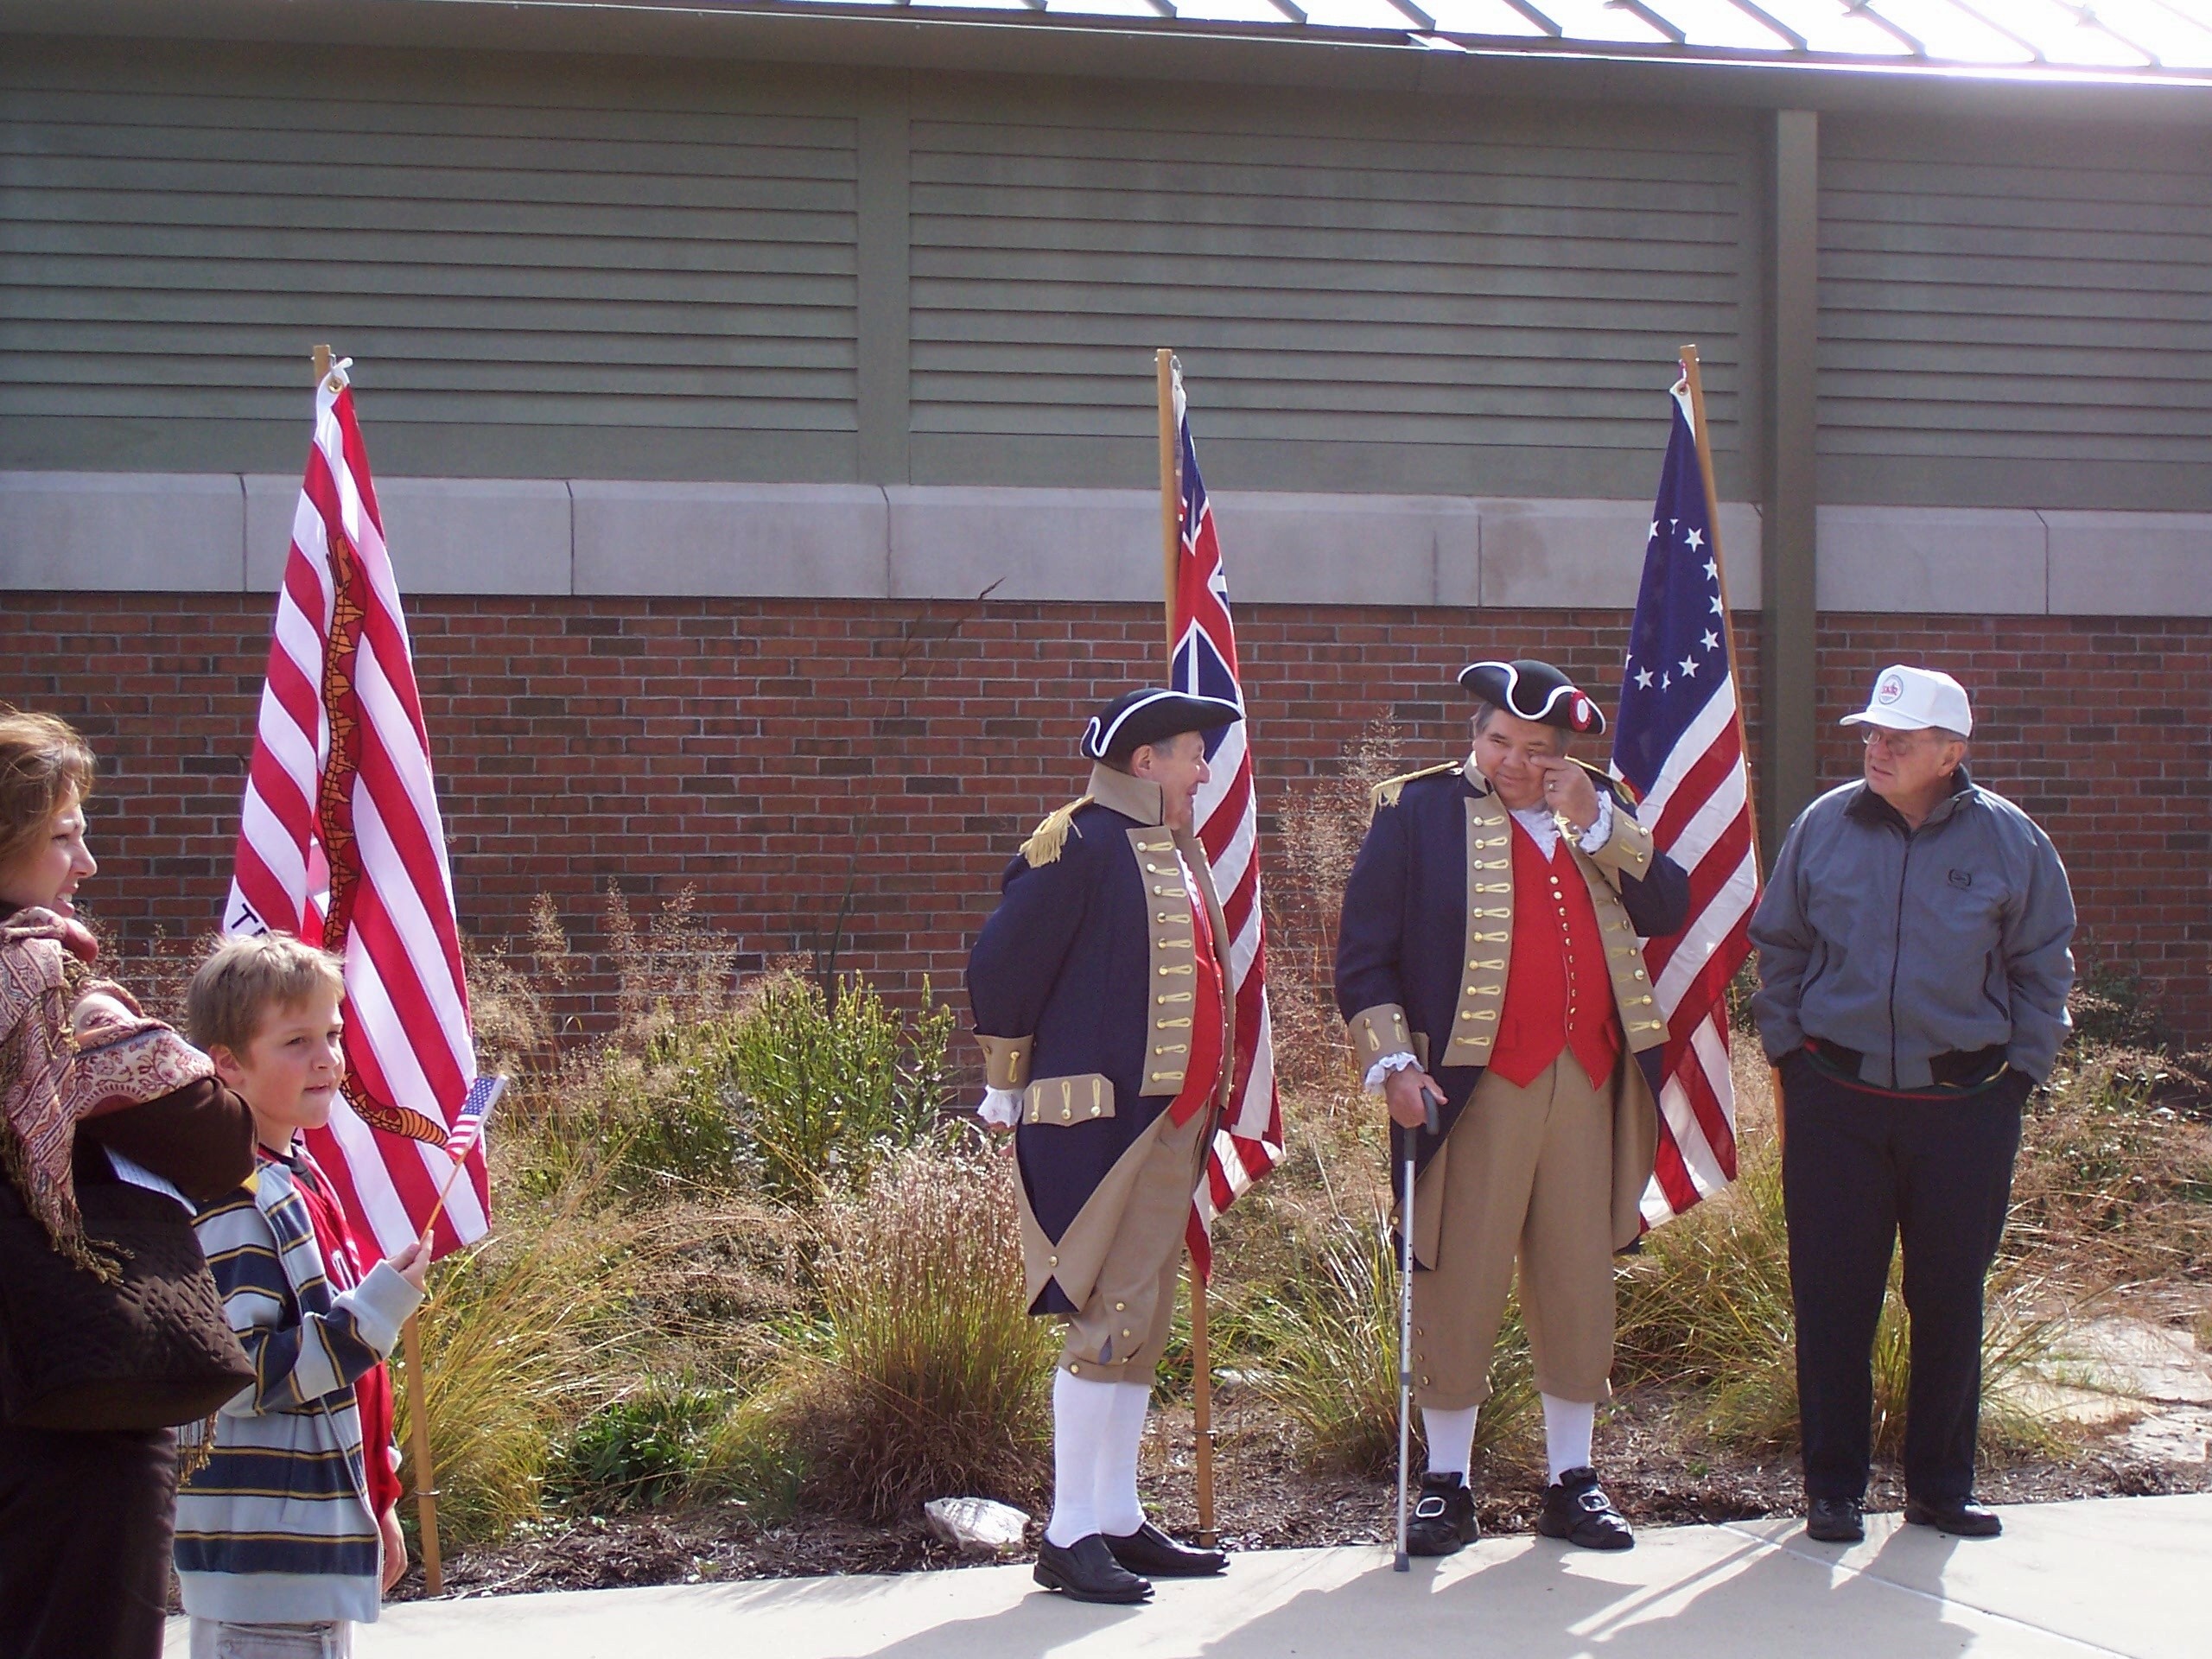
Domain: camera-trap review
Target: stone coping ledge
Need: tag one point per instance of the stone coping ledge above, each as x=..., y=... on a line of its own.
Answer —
x=223, y=532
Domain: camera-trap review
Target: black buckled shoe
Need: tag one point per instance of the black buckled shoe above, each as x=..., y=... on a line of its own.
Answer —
x=1443, y=1520
x=1964, y=1519
x=1086, y=1571
x=1577, y=1510
x=1835, y=1521
x=1149, y=1550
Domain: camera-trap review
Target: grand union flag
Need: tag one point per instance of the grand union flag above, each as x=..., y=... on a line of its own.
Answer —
x=1248, y=1141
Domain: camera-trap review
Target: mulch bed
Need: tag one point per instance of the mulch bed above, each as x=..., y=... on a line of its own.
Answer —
x=1656, y=1479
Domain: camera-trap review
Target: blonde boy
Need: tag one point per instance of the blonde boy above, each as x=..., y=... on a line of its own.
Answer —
x=289, y=1535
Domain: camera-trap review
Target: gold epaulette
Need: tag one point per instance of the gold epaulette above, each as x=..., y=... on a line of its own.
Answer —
x=1386, y=792
x=1051, y=833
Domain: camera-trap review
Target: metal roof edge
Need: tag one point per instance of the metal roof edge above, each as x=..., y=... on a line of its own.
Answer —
x=1031, y=43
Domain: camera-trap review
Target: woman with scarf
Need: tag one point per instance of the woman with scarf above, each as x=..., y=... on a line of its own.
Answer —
x=90, y=1086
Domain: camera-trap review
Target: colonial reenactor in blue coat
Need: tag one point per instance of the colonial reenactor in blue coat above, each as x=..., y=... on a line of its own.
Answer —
x=1489, y=961
x=1099, y=997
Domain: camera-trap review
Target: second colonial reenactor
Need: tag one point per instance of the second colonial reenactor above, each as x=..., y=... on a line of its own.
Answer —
x=1098, y=993
x=1488, y=957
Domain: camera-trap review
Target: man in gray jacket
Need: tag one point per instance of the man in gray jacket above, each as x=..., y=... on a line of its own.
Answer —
x=1914, y=964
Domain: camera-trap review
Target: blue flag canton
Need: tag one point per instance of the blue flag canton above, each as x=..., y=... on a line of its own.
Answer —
x=1678, y=644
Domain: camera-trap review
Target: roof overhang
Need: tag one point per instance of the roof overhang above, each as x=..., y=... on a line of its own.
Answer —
x=895, y=37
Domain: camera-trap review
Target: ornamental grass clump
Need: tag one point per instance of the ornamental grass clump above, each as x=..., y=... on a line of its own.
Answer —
x=513, y=1353
x=1323, y=1353
x=926, y=1377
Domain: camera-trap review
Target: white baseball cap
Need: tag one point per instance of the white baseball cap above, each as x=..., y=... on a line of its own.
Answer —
x=1909, y=699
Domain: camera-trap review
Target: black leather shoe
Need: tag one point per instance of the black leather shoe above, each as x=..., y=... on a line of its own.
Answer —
x=1150, y=1550
x=1835, y=1521
x=1086, y=1571
x=1443, y=1520
x=1577, y=1510
x=1965, y=1519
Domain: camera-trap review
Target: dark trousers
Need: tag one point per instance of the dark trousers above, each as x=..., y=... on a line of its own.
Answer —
x=86, y=1521
x=1860, y=1170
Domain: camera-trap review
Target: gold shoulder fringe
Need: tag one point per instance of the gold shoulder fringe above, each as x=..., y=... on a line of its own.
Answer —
x=1051, y=834
x=1386, y=792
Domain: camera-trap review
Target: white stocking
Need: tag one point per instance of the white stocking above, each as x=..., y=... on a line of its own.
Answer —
x=1119, y=1510
x=1567, y=1426
x=1451, y=1437
x=1083, y=1415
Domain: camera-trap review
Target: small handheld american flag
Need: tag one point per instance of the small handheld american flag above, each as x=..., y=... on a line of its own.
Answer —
x=469, y=1121
x=467, y=1129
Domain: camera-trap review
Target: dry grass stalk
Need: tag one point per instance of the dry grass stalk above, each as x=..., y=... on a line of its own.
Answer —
x=932, y=1380
x=677, y=972
x=1322, y=823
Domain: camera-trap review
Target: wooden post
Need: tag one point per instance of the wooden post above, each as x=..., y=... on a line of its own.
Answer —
x=1727, y=626
x=1171, y=534
x=322, y=362
x=425, y=1477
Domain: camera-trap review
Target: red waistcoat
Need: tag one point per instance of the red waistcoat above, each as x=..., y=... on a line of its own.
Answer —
x=1205, y=1015
x=1559, y=995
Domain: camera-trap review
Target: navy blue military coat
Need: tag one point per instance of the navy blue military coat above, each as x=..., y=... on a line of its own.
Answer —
x=1426, y=933
x=1082, y=983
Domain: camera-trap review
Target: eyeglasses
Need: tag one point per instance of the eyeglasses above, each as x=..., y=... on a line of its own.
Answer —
x=1897, y=743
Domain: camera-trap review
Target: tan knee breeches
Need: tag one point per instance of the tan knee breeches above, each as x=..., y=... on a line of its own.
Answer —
x=1122, y=1329
x=1526, y=1174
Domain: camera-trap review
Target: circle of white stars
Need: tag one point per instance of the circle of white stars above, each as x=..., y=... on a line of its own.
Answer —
x=1693, y=540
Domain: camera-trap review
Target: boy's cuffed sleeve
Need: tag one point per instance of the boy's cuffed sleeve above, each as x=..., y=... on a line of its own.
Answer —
x=296, y=1358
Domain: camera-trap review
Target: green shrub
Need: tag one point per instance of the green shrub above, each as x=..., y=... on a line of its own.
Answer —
x=805, y=1089
x=1325, y=1348
x=927, y=1378
x=637, y=1453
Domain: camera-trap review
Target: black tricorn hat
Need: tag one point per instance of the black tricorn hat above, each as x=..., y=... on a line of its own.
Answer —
x=1151, y=716
x=1535, y=692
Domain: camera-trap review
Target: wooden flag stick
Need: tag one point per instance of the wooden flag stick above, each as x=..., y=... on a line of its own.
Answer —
x=1171, y=494
x=1727, y=626
x=426, y=1482
x=444, y=1193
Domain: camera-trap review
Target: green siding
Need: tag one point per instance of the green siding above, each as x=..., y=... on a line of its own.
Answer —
x=2015, y=317
x=544, y=276
x=1363, y=297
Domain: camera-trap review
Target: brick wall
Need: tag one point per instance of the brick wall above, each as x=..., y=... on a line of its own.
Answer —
x=790, y=758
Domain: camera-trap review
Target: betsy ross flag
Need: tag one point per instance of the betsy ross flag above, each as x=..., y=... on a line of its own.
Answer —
x=1679, y=747
x=1249, y=1142
x=340, y=842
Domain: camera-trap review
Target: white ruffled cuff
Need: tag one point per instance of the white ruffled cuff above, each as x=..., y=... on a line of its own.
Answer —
x=1601, y=831
x=1001, y=1108
x=1383, y=1068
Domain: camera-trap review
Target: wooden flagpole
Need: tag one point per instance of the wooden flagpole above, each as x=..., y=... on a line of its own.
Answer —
x=1171, y=533
x=1728, y=629
x=426, y=1486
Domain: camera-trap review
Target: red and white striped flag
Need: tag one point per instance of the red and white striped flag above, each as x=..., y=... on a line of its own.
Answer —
x=340, y=842
x=1679, y=747
x=1249, y=1141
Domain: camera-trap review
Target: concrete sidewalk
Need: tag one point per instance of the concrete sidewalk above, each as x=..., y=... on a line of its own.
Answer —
x=2124, y=1576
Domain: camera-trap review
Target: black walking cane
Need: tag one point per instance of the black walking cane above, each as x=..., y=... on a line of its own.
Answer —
x=1404, y=1149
